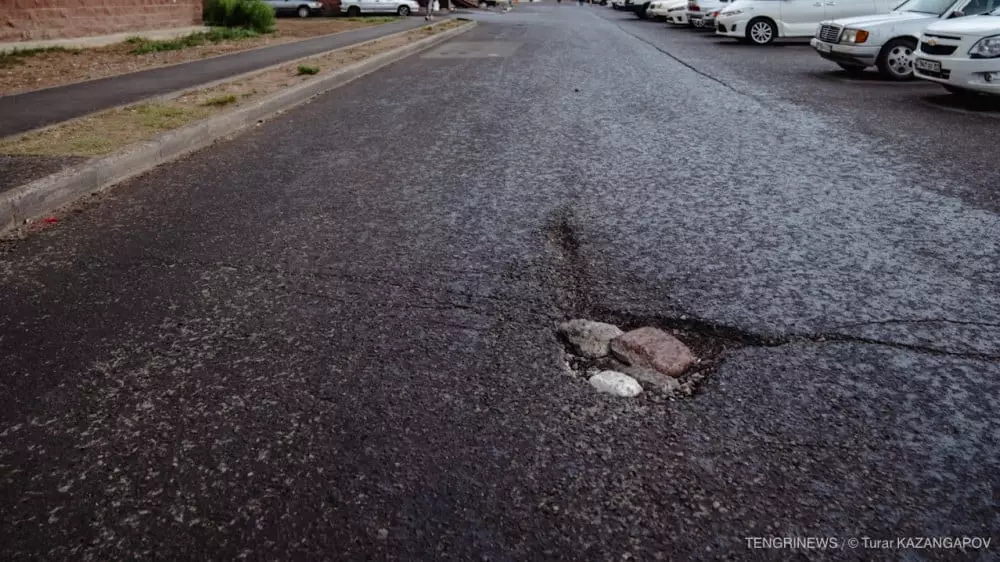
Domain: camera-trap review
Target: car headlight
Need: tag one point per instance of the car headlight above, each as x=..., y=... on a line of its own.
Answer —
x=854, y=36
x=986, y=48
x=731, y=13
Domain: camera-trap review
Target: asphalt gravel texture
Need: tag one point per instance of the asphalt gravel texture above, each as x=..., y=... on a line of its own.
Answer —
x=333, y=336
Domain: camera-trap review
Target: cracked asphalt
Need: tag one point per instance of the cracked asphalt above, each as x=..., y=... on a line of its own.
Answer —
x=333, y=336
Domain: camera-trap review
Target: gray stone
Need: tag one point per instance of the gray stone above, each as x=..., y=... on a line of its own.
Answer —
x=652, y=379
x=588, y=338
x=615, y=383
x=653, y=349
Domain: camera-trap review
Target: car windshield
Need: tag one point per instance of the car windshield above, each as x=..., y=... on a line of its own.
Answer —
x=936, y=7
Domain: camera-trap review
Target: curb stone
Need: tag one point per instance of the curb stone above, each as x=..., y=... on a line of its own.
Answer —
x=46, y=194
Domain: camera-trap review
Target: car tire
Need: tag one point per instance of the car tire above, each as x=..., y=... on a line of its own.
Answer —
x=761, y=31
x=895, y=60
x=643, y=13
x=404, y=11
x=303, y=11
x=353, y=12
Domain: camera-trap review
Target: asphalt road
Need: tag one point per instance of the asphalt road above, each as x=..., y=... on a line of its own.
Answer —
x=332, y=337
x=30, y=110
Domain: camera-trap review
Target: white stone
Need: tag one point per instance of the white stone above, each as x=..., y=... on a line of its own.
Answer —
x=588, y=338
x=618, y=384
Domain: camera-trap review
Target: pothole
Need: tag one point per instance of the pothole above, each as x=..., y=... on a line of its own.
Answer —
x=667, y=360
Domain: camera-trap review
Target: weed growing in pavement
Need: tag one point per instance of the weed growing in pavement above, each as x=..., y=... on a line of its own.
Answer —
x=144, y=46
x=303, y=69
x=17, y=56
x=220, y=101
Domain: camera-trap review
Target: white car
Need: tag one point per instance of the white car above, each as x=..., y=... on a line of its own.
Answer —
x=677, y=12
x=702, y=13
x=354, y=8
x=763, y=21
x=657, y=10
x=889, y=41
x=963, y=54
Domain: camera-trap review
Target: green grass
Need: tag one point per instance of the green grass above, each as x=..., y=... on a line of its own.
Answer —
x=220, y=101
x=142, y=46
x=303, y=69
x=17, y=56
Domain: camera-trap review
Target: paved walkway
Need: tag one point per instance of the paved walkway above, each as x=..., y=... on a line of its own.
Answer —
x=30, y=110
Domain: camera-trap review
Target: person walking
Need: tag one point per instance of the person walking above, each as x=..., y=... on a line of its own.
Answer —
x=429, y=13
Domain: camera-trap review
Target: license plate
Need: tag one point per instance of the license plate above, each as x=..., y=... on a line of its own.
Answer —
x=928, y=65
x=823, y=47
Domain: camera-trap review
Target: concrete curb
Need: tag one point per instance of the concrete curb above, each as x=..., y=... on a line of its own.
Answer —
x=46, y=194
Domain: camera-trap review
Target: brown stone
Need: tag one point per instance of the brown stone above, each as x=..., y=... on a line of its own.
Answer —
x=654, y=349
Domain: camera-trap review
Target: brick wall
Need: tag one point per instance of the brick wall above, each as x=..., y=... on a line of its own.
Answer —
x=33, y=20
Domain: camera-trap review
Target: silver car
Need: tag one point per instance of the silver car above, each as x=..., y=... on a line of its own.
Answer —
x=302, y=9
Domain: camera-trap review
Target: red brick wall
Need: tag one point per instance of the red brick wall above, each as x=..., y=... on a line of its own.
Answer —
x=32, y=20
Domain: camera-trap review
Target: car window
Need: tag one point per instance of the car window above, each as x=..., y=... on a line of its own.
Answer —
x=977, y=7
x=936, y=7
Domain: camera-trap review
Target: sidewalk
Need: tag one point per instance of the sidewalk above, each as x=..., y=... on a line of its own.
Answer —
x=30, y=110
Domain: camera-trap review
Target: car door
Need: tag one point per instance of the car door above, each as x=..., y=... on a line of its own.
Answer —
x=837, y=9
x=799, y=18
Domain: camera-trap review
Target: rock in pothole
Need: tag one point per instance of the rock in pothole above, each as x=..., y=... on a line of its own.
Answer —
x=652, y=379
x=589, y=339
x=615, y=383
x=650, y=348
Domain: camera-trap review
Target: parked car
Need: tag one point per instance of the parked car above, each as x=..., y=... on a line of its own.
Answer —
x=302, y=9
x=354, y=8
x=763, y=21
x=677, y=12
x=889, y=41
x=658, y=10
x=702, y=13
x=639, y=7
x=963, y=55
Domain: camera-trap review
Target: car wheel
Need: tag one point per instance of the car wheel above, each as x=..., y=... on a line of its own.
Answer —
x=895, y=60
x=404, y=10
x=353, y=12
x=852, y=69
x=642, y=13
x=303, y=11
x=762, y=31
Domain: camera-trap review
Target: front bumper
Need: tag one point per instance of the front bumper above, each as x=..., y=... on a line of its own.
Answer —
x=961, y=72
x=864, y=55
x=733, y=26
x=679, y=18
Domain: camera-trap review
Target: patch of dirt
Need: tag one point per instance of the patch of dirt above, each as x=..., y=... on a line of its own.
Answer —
x=108, y=131
x=56, y=68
